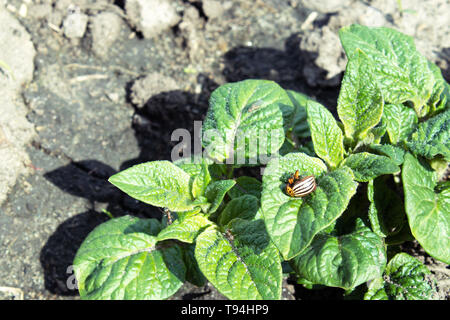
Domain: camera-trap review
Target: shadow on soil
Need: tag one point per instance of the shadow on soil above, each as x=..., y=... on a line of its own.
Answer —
x=285, y=67
x=153, y=125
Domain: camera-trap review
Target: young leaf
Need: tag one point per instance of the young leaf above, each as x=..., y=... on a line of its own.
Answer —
x=291, y=222
x=250, y=109
x=119, y=260
x=345, y=261
x=428, y=211
x=245, y=207
x=360, y=103
x=159, y=183
x=246, y=266
x=185, y=229
x=246, y=186
x=367, y=166
x=193, y=166
x=325, y=133
x=201, y=181
x=405, y=278
x=299, y=123
x=432, y=137
x=439, y=94
x=215, y=192
x=395, y=153
x=401, y=71
x=400, y=122
x=377, y=133
x=445, y=98
x=386, y=212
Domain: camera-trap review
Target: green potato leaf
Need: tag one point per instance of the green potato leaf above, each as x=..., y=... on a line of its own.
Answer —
x=400, y=122
x=159, y=183
x=439, y=96
x=326, y=134
x=244, y=267
x=405, y=278
x=402, y=73
x=432, y=137
x=395, y=153
x=193, y=166
x=342, y=261
x=201, y=181
x=299, y=124
x=360, y=102
x=367, y=166
x=120, y=260
x=428, y=211
x=216, y=191
x=246, y=186
x=376, y=133
x=246, y=119
x=245, y=207
x=291, y=222
x=185, y=229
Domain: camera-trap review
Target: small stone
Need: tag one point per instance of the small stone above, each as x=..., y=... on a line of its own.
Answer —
x=75, y=25
x=151, y=17
x=222, y=45
x=23, y=10
x=325, y=6
x=105, y=28
x=372, y=17
x=212, y=8
x=113, y=96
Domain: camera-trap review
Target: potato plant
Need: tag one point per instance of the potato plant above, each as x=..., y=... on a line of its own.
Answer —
x=378, y=182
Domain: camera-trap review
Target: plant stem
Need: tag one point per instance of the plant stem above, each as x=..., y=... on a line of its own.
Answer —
x=109, y=214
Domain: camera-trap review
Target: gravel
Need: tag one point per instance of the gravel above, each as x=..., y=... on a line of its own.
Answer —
x=75, y=25
x=151, y=17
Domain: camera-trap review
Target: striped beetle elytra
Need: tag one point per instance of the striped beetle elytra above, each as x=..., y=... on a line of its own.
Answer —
x=298, y=188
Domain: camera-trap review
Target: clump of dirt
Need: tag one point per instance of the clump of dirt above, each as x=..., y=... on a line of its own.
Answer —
x=151, y=17
x=16, y=69
x=151, y=85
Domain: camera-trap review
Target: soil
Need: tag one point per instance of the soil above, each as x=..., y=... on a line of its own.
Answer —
x=108, y=89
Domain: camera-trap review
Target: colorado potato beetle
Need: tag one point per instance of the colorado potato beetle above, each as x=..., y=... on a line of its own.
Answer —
x=297, y=187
